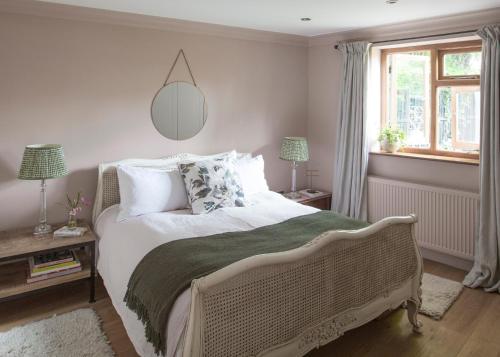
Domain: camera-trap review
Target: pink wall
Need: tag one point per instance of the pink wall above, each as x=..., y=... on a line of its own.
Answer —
x=324, y=72
x=88, y=86
x=85, y=78
x=324, y=92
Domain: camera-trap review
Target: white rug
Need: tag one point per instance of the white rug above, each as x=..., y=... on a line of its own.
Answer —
x=74, y=334
x=438, y=294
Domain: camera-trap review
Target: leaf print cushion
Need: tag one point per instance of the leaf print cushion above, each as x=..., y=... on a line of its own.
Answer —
x=212, y=184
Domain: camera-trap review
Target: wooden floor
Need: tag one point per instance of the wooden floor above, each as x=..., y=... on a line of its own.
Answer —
x=470, y=328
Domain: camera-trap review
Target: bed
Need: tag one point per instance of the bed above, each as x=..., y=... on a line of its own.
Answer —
x=280, y=304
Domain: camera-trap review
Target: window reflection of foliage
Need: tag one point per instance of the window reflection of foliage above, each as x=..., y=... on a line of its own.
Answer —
x=465, y=117
x=411, y=70
x=444, y=107
x=460, y=64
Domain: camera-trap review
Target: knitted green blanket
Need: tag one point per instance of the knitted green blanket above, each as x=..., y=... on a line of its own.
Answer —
x=166, y=271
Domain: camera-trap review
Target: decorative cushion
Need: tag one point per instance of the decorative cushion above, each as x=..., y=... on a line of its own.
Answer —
x=212, y=184
x=251, y=172
x=146, y=190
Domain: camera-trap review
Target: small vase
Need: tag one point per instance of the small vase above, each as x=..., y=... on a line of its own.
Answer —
x=392, y=148
x=72, y=221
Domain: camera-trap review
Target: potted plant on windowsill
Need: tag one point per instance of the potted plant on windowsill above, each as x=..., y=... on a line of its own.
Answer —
x=391, y=139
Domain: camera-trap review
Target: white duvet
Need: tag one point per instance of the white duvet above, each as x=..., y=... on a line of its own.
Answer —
x=123, y=244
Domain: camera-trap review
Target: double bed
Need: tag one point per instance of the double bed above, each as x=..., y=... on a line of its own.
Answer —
x=279, y=304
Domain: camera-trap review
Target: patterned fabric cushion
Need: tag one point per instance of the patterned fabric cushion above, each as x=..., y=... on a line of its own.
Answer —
x=212, y=184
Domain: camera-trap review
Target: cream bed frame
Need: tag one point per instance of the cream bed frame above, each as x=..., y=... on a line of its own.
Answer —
x=288, y=303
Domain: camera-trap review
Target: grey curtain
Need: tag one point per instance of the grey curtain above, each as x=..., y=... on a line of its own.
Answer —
x=349, y=185
x=486, y=270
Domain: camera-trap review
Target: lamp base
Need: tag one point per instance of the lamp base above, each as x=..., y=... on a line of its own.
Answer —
x=42, y=229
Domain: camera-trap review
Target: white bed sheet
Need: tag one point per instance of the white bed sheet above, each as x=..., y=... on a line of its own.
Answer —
x=123, y=244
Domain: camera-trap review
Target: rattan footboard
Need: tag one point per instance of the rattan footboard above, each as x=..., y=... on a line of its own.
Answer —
x=286, y=304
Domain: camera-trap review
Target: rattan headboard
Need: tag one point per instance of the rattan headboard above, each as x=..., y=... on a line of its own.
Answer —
x=108, y=189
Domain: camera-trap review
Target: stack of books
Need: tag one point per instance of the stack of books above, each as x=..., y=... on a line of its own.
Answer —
x=51, y=265
x=310, y=193
x=70, y=232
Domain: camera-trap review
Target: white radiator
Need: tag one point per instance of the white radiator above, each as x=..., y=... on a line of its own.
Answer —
x=447, y=219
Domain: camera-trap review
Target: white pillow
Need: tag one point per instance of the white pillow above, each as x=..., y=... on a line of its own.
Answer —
x=251, y=172
x=223, y=155
x=146, y=190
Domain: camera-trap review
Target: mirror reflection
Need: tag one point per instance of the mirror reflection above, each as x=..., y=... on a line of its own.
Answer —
x=179, y=110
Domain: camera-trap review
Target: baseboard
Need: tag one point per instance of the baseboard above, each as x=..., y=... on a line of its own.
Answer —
x=459, y=263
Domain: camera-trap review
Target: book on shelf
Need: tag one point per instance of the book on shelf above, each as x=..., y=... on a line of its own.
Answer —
x=34, y=279
x=63, y=256
x=70, y=232
x=51, y=265
x=53, y=268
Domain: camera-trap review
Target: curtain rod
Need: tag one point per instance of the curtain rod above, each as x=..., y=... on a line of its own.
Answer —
x=422, y=37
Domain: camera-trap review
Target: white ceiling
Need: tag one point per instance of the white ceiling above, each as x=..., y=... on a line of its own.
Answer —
x=284, y=15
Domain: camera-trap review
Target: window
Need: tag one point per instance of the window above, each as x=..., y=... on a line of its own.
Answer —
x=432, y=94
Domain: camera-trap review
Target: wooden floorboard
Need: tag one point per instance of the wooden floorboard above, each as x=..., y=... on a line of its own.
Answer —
x=470, y=328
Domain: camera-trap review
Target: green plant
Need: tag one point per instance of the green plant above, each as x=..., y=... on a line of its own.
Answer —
x=391, y=135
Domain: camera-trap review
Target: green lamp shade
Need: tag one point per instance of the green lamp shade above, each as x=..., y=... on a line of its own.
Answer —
x=294, y=149
x=42, y=162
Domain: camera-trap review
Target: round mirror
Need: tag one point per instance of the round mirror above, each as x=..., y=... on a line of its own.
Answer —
x=179, y=110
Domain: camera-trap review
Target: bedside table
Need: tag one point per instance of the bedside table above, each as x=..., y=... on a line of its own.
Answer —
x=323, y=201
x=16, y=246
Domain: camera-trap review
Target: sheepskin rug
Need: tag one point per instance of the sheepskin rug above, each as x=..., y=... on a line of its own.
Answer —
x=438, y=294
x=74, y=334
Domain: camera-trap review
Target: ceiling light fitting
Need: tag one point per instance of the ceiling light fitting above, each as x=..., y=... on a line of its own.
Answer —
x=305, y=19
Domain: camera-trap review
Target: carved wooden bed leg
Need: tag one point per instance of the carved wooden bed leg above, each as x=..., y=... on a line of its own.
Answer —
x=412, y=309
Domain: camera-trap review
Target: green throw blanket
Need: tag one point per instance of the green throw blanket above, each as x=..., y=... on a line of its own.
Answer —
x=166, y=271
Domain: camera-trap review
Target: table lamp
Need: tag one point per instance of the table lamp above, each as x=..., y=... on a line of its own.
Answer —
x=294, y=149
x=42, y=162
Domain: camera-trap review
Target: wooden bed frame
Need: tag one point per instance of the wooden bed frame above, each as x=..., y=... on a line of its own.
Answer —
x=288, y=303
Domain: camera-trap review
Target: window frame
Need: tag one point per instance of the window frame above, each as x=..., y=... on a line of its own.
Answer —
x=437, y=52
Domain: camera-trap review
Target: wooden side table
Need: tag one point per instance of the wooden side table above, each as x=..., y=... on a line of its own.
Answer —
x=323, y=201
x=16, y=246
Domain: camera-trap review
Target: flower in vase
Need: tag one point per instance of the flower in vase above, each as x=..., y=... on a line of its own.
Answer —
x=75, y=206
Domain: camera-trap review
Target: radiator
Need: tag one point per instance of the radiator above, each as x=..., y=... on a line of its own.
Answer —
x=447, y=219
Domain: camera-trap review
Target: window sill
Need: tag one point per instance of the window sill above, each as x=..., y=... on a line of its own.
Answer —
x=458, y=160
